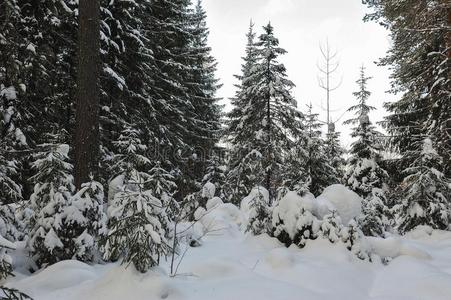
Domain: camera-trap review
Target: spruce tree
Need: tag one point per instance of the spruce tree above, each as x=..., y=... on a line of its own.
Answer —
x=319, y=173
x=335, y=154
x=425, y=191
x=260, y=212
x=419, y=58
x=364, y=174
x=269, y=115
x=137, y=219
x=244, y=166
x=202, y=86
x=363, y=171
x=62, y=226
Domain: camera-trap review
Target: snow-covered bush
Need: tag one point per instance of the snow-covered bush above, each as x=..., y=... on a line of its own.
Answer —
x=354, y=240
x=293, y=221
x=259, y=211
x=6, y=268
x=331, y=227
x=347, y=203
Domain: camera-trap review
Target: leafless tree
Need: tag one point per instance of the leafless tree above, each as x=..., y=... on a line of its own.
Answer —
x=328, y=67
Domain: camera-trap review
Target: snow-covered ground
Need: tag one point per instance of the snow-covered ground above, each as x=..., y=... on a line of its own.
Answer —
x=233, y=265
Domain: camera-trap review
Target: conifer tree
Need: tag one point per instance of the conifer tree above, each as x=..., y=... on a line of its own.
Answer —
x=244, y=166
x=364, y=174
x=62, y=227
x=319, y=174
x=260, y=212
x=137, y=219
x=425, y=191
x=202, y=87
x=335, y=154
x=419, y=58
x=269, y=114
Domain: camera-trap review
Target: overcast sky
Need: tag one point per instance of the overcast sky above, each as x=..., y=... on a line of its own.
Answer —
x=300, y=26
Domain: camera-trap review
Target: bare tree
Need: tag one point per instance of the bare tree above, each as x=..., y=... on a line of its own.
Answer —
x=327, y=68
x=87, y=105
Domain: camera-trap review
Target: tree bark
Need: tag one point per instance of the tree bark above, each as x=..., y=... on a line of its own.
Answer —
x=87, y=105
x=448, y=40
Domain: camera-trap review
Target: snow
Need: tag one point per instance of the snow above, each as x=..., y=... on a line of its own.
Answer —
x=347, y=203
x=208, y=190
x=231, y=264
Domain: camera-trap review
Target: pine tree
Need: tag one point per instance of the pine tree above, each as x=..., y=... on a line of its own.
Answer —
x=425, y=191
x=419, y=58
x=269, y=116
x=137, y=219
x=60, y=227
x=216, y=171
x=202, y=87
x=161, y=183
x=244, y=166
x=319, y=173
x=260, y=212
x=364, y=174
x=363, y=171
x=86, y=216
x=335, y=152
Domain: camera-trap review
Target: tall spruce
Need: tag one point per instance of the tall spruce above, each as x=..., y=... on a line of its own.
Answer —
x=243, y=166
x=419, y=58
x=364, y=174
x=363, y=171
x=269, y=115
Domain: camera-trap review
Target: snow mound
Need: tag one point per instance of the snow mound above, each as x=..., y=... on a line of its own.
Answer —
x=69, y=274
x=338, y=197
x=221, y=217
x=394, y=247
x=213, y=203
x=280, y=258
x=208, y=190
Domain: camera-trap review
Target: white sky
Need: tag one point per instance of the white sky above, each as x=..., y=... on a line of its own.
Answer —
x=300, y=26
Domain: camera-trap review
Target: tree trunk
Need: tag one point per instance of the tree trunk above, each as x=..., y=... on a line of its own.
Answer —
x=87, y=105
x=448, y=40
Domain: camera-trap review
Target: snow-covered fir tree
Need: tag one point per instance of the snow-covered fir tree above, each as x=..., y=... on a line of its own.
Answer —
x=62, y=226
x=363, y=170
x=319, y=172
x=419, y=57
x=202, y=86
x=268, y=117
x=161, y=183
x=216, y=171
x=260, y=212
x=364, y=174
x=425, y=191
x=244, y=166
x=87, y=218
x=137, y=219
x=335, y=154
